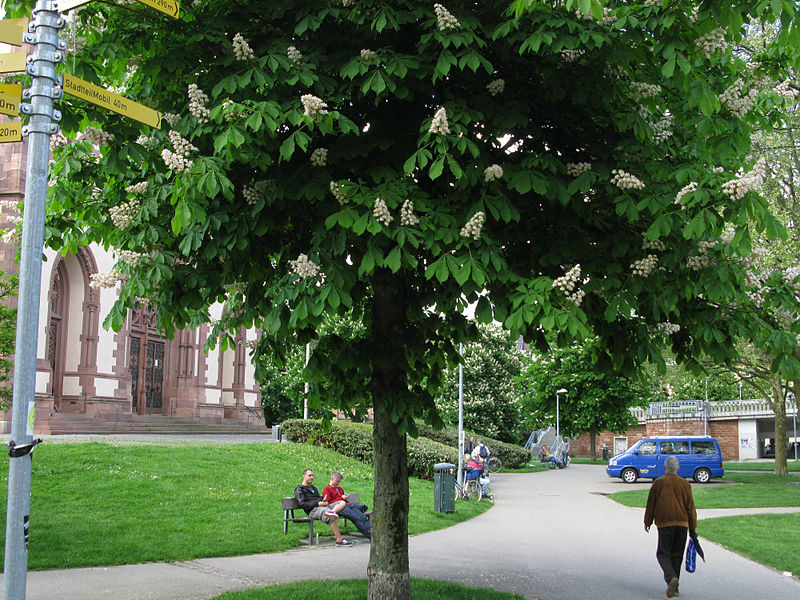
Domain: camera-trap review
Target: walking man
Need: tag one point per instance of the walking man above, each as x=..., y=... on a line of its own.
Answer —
x=671, y=506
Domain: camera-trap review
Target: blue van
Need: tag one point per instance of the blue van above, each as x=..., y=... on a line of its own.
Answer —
x=699, y=458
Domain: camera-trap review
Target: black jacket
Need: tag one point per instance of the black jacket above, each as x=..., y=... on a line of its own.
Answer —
x=308, y=497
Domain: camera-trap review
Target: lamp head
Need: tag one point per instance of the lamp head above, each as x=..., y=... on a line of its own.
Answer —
x=561, y=391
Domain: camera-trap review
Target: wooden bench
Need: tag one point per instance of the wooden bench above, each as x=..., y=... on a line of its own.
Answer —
x=290, y=504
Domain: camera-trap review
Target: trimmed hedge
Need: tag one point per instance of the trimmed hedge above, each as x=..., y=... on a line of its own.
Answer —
x=511, y=455
x=355, y=441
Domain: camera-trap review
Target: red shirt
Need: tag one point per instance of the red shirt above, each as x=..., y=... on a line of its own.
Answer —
x=333, y=494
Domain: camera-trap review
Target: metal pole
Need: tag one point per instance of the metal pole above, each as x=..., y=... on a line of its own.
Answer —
x=46, y=86
x=305, y=385
x=460, y=475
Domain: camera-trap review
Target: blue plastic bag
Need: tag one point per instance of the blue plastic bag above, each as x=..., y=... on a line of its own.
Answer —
x=691, y=557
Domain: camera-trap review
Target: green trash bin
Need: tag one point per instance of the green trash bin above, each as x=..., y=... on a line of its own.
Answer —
x=605, y=453
x=444, y=488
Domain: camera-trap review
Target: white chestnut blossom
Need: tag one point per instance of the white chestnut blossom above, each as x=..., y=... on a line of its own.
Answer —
x=250, y=194
x=784, y=88
x=175, y=161
x=474, y=226
x=496, y=86
x=197, y=103
x=711, y=42
x=625, y=180
x=104, y=280
x=368, y=55
x=738, y=102
x=566, y=283
x=313, y=106
x=347, y=3
x=407, y=216
x=576, y=169
x=439, y=122
x=12, y=235
x=138, y=188
x=338, y=192
x=171, y=118
x=58, y=140
x=644, y=266
x=687, y=189
x=319, y=157
x=570, y=56
x=241, y=49
x=444, y=19
x=381, y=212
x=123, y=215
x=641, y=90
x=304, y=267
x=294, y=55
x=749, y=182
x=131, y=257
x=493, y=172
x=97, y=136
x=668, y=328
x=658, y=245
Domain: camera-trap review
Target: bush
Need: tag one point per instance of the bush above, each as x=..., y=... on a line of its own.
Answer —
x=355, y=441
x=511, y=455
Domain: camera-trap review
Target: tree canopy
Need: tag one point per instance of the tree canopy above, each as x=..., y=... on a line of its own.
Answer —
x=571, y=166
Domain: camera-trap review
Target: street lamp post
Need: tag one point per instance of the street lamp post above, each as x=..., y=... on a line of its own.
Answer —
x=558, y=430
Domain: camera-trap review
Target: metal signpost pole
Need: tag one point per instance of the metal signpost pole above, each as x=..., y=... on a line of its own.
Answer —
x=460, y=475
x=48, y=51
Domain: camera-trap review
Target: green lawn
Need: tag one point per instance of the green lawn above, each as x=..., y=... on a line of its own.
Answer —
x=102, y=504
x=356, y=589
x=793, y=465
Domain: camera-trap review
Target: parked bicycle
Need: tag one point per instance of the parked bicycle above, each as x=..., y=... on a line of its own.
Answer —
x=470, y=488
x=493, y=464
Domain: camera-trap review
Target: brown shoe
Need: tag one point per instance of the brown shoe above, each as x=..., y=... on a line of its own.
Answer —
x=672, y=588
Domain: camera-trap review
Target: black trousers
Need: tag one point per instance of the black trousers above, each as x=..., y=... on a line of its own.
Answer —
x=671, y=544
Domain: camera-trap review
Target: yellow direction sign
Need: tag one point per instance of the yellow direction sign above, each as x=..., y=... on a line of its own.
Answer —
x=119, y=104
x=12, y=63
x=10, y=96
x=168, y=7
x=11, y=132
x=11, y=31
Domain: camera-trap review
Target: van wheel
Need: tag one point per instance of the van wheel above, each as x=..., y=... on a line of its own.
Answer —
x=629, y=475
x=702, y=475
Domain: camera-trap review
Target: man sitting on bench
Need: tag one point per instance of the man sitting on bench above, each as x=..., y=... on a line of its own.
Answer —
x=334, y=493
x=316, y=508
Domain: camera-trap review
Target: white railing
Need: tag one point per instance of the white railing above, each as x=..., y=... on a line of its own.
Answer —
x=716, y=410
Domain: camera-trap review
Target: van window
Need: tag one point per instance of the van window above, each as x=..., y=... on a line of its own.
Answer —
x=674, y=447
x=703, y=448
x=647, y=448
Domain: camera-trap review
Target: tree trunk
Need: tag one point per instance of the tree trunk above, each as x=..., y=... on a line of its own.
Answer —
x=388, y=558
x=779, y=409
x=593, y=446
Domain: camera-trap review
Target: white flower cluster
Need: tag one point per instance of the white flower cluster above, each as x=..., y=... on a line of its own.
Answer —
x=138, y=188
x=658, y=245
x=695, y=13
x=474, y=226
x=171, y=118
x=407, y=216
x=749, y=182
x=496, y=86
x=8, y=206
x=178, y=160
x=687, y=189
x=493, y=172
x=576, y=169
x=123, y=215
x=718, y=169
x=338, y=192
x=304, y=267
x=625, y=180
x=319, y=157
x=737, y=102
x=570, y=56
x=607, y=19
x=230, y=110
x=148, y=141
x=368, y=55
x=197, y=103
x=653, y=2
x=566, y=285
x=668, y=328
x=641, y=90
x=662, y=129
x=131, y=258
x=439, y=122
x=313, y=106
x=784, y=88
x=250, y=194
x=104, y=280
x=347, y=3
x=294, y=55
x=381, y=212
x=644, y=266
x=58, y=140
x=12, y=235
x=701, y=260
x=444, y=19
x=241, y=49
x=711, y=42
x=97, y=193
x=97, y=136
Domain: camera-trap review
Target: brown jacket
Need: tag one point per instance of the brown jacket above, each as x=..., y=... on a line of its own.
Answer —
x=670, y=503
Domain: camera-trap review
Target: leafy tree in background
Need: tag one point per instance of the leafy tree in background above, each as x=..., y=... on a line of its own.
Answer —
x=492, y=393
x=572, y=167
x=679, y=385
x=595, y=401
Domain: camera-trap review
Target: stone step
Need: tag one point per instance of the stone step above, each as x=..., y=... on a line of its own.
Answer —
x=77, y=423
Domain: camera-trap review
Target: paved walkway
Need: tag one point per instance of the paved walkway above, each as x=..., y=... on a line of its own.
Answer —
x=551, y=536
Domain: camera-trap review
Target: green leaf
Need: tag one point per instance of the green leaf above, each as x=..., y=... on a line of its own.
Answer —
x=393, y=259
x=436, y=168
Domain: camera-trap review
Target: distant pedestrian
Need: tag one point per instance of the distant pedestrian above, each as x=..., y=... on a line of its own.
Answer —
x=671, y=505
x=469, y=446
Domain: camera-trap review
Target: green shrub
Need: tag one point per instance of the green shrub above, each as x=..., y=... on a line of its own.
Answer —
x=511, y=455
x=355, y=441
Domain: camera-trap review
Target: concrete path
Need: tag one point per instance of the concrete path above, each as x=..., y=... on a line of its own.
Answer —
x=551, y=536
